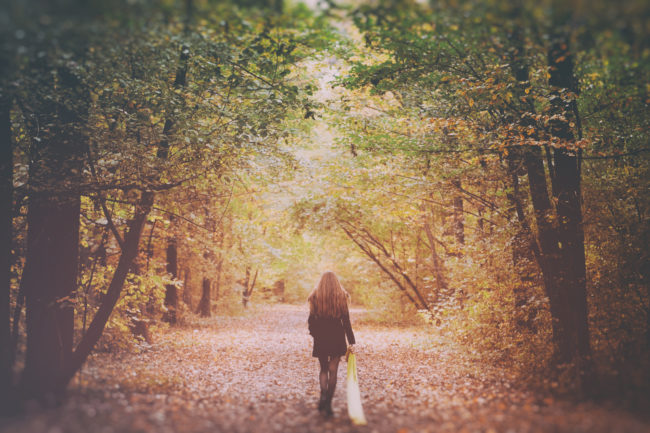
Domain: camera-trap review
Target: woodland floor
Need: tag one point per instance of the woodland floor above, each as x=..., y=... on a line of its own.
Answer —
x=254, y=373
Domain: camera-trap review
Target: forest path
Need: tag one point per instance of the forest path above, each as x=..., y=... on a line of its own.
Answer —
x=254, y=373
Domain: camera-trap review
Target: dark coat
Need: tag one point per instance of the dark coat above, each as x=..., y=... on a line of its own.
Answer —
x=329, y=335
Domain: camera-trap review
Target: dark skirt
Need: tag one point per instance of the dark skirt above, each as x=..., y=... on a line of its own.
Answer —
x=329, y=335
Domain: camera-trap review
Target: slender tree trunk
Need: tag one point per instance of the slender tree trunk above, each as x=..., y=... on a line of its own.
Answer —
x=171, y=291
x=525, y=251
x=220, y=245
x=524, y=248
x=187, y=292
x=180, y=81
x=248, y=287
x=6, y=207
x=217, y=289
x=436, y=261
x=459, y=217
x=204, y=305
x=129, y=253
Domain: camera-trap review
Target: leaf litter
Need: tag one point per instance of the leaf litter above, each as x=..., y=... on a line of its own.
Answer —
x=255, y=373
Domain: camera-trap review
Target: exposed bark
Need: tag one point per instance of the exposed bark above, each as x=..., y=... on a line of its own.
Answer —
x=248, y=286
x=150, y=245
x=88, y=284
x=6, y=206
x=559, y=228
x=558, y=244
x=187, y=292
x=52, y=249
x=217, y=288
x=52, y=255
x=575, y=346
x=436, y=261
x=180, y=81
x=204, y=305
x=525, y=251
x=171, y=291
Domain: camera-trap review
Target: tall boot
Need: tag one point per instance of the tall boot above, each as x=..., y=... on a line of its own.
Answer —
x=328, y=406
x=323, y=401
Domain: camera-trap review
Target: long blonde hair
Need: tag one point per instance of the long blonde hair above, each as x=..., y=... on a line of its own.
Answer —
x=329, y=298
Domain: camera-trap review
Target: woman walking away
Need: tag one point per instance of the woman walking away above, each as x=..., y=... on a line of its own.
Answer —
x=329, y=323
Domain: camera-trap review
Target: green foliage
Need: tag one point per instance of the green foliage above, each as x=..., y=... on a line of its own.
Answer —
x=398, y=178
x=440, y=90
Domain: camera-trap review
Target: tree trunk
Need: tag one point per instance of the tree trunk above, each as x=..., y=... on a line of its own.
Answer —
x=561, y=239
x=187, y=292
x=525, y=251
x=459, y=217
x=569, y=204
x=52, y=257
x=524, y=248
x=52, y=249
x=204, y=305
x=171, y=291
x=217, y=288
x=129, y=253
x=6, y=207
x=549, y=247
x=180, y=81
x=436, y=261
x=248, y=287
x=278, y=290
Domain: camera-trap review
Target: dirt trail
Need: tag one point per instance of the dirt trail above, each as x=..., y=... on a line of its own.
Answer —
x=254, y=373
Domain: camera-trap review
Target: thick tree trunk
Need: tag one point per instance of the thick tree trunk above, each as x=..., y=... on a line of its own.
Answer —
x=6, y=206
x=171, y=291
x=560, y=234
x=52, y=249
x=549, y=259
x=549, y=245
x=569, y=204
x=204, y=305
x=52, y=258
